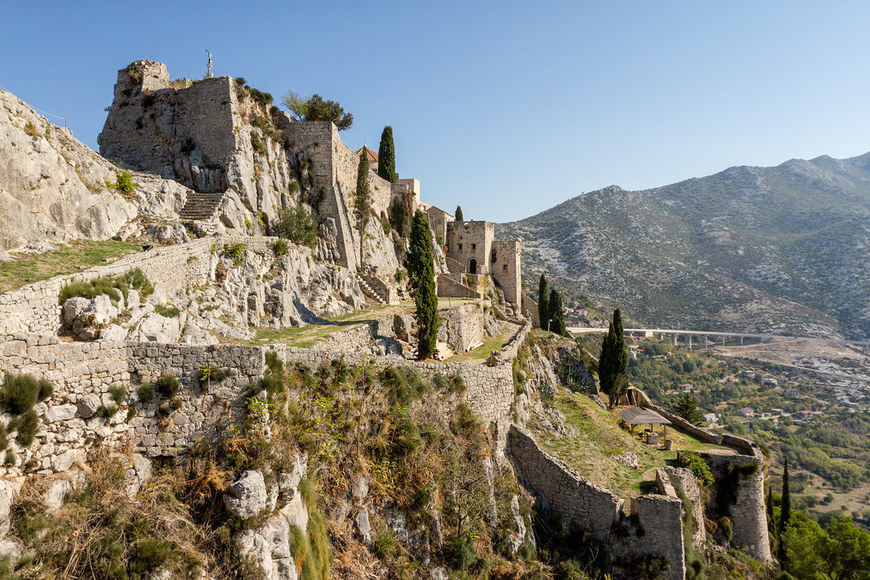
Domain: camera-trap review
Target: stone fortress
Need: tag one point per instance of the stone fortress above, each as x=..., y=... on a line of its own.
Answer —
x=213, y=155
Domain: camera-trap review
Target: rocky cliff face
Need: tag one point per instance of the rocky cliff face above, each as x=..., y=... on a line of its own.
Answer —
x=51, y=186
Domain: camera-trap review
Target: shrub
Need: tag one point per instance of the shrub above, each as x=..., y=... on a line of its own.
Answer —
x=150, y=555
x=236, y=252
x=167, y=386
x=464, y=422
x=697, y=465
x=167, y=311
x=105, y=412
x=26, y=425
x=405, y=384
x=281, y=247
x=117, y=392
x=21, y=392
x=112, y=286
x=298, y=226
x=145, y=392
x=187, y=146
x=123, y=182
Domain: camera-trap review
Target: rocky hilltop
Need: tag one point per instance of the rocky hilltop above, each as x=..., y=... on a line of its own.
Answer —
x=751, y=249
x=217, y=401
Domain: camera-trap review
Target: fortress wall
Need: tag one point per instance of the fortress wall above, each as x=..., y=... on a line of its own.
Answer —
x=506, y=269
x=748, y=514
x=206, y=411
x=489, y=390
x=560, y=488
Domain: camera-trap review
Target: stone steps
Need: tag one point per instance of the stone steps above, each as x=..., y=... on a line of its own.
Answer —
x=201, y=206
x=370, y=292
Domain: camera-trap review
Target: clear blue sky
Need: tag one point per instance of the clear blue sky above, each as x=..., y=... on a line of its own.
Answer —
x=506, y=108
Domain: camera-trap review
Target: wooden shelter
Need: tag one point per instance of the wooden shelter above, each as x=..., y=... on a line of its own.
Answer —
x=643, y=416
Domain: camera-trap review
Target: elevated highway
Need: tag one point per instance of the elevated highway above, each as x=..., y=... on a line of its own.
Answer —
x=706, y=338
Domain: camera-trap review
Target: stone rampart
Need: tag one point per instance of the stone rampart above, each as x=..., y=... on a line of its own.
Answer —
x=748, y=515
x=560, y=488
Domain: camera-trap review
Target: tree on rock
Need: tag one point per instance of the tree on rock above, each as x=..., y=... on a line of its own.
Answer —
x=543, y=312
x=362, y=202
x=387, y=156
x=459, y=214
x=613, y=361
x=557, y=317
x=315, y=108
x=421, y=275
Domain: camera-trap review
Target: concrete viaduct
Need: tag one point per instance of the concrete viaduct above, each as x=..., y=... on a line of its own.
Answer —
x=710, y=337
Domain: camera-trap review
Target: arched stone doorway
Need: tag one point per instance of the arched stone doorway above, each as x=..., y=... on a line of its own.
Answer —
x=472, y=266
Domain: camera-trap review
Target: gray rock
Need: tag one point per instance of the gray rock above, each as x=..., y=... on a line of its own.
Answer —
x=296, y=512
x=56, y=413
x=64, y=461
x=39, y=247
x=88, y=405
x=439, y=573
x=12, y=549
x=4, y=257
x=360, y=487
x=56, y=495
x=136, y=474
x=156, y=328
x=288, y=481
x=113, y=333
x=72, y=308
x=515, y=542
x=363, y=527
x=247, y=496
x=133, y=299
x=403, y=325
x=7, y=496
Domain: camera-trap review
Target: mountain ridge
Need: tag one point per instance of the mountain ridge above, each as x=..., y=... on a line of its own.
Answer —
x=778, y=249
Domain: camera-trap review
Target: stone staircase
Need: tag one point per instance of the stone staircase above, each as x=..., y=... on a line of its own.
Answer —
x=371, y=292
x=201, y=206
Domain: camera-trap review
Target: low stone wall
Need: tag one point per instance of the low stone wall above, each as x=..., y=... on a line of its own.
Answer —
x=510, y=350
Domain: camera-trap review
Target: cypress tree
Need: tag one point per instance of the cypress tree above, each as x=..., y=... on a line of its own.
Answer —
x=362, y=201
x=387, y=156
x=554, y=308
x=543, y=311
x=421, y=271
x=784, y=515
x=614, y=360
x=459, y=214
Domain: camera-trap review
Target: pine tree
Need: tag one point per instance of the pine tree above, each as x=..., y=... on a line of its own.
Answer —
x=387, y=156
x=687, y=408
x=421, y=272
x=784, y=516
x=543, y=311
x=613, y=361
x=362, y=201
x=557, y=317
x=459, y=214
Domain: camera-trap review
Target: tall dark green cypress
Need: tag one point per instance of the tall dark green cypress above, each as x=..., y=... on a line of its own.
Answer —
x=458, y=216
x=387, y=156
x=557, y=317
x=362, y=201
x=421, y=271
x=614, y=360
x=543, y=311
x=784, y=516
